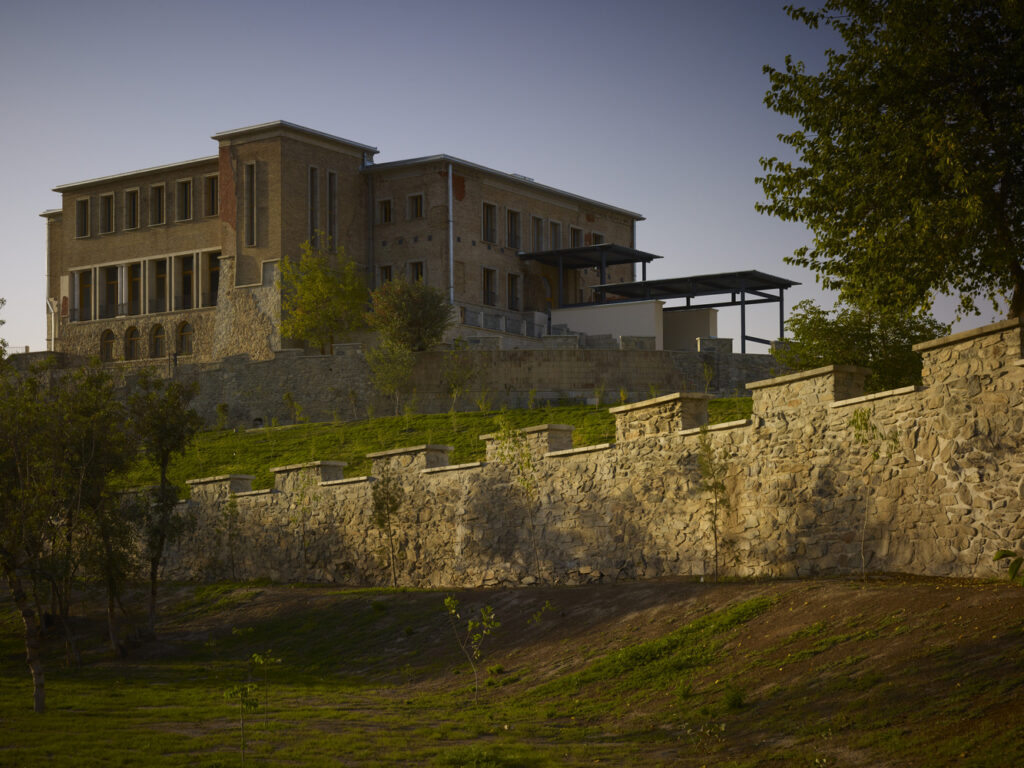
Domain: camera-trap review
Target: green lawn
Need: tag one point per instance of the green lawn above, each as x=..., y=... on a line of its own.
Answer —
x=814, y=673
x=254, y=452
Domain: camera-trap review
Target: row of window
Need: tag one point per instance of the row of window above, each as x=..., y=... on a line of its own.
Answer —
x=144, y=287
x=157, y=343
x=545, y=235
x=413, y=209
x=414, y=272
x=156, y=208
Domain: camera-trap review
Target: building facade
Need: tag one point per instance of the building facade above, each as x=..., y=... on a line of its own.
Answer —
x=182, y=259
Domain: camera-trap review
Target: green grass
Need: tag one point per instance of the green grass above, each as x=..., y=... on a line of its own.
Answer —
x=254, y=452
x=356, y=688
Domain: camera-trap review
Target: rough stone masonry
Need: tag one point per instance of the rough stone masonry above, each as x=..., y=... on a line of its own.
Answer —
x=932, y=483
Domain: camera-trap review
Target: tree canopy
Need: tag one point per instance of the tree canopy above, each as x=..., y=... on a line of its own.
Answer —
x=323, y=295
x=909, y=165
x=881, y=341
x=410, y=314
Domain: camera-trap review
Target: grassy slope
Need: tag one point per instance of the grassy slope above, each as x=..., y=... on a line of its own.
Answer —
x=891, y=672
x=254, y=452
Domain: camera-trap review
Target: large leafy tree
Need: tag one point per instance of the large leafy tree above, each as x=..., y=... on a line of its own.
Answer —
x=882, y=341
x=323, y=295
x=410, y=314
x=909, y=166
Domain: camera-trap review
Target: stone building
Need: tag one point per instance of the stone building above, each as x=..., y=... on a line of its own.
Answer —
x=182, y=259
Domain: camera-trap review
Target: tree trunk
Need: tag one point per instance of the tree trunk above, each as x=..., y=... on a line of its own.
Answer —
x=1017, y=300
x=115, y=647
x=32, y=641
x=154, y=570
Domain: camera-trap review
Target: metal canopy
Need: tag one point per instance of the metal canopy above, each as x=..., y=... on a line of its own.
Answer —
x=606, y=254
x=752, y=284
x=600, y=257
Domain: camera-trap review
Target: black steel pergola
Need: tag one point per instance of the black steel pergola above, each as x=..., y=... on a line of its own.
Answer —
x=742, y=288
x=599, y=257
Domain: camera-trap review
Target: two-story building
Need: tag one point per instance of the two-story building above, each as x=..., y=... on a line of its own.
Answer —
x=181, y=259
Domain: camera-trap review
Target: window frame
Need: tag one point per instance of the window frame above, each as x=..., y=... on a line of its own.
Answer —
x=83, y=214
x=414, y=210
x=485, y=235
x=157, y=335
x=513, y=229
x=332, y=208
x=184, y=205
x=108, y=340
x=554, y=242
x=157, y=213
x=250, y=211
x=385, y=211
x=130, y=212
x=411, y=271
x=485, y=295
x=180, y=336
x=573, y=231
x=211, y=195
x=313, y=203
x=106, y=223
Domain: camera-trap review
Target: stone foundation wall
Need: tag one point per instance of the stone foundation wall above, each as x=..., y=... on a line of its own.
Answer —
x=806, y=496
x=337, y=386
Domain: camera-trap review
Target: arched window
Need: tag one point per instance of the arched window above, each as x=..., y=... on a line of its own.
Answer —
x=184, y=339
x=131, y=344
x=107, y=346
x=157, y=342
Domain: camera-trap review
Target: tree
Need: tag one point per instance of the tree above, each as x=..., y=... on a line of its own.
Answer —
x=411, y=315
x=323, y=295
x=882, y=341
x=164, y=425
x=19, y=519
x=391, y=370
x=909, y=163
x=388, y=497
x=713, y=465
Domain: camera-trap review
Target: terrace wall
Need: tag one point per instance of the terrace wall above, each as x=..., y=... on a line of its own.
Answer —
x=944, y=493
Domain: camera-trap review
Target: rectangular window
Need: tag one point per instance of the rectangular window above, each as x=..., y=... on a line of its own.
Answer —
x=575, y=237
x=415, y=271
x=415, y=206
x=106, y=214
x=183, y=199
x=249, y=202
x=537, y=233
x=187, y=278
x=555, y=235
x=82, y=217
x=512, y=229
x=513, y=292
x=332, y=208
x=211, y=192
x=158, y=299
x=596, y=238
x=131, y=209
x=212, y=281
x=313, y=198
x=383, y=275
x=489, y=230
x=134, y=289
x=384, y=212
x=490, y=297
x=156, y=204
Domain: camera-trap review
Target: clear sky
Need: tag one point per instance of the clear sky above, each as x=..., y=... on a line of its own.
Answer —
x=649, y=105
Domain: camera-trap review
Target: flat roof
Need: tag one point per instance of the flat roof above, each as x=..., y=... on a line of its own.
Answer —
x=285, y=125
x=751, y=281
x=129, y=174
x=590, y=256
x=512, y=177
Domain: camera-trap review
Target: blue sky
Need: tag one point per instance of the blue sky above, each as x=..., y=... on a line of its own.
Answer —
x=651, y=106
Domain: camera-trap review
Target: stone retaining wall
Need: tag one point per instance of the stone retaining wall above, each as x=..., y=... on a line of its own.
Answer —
x=935, y=486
